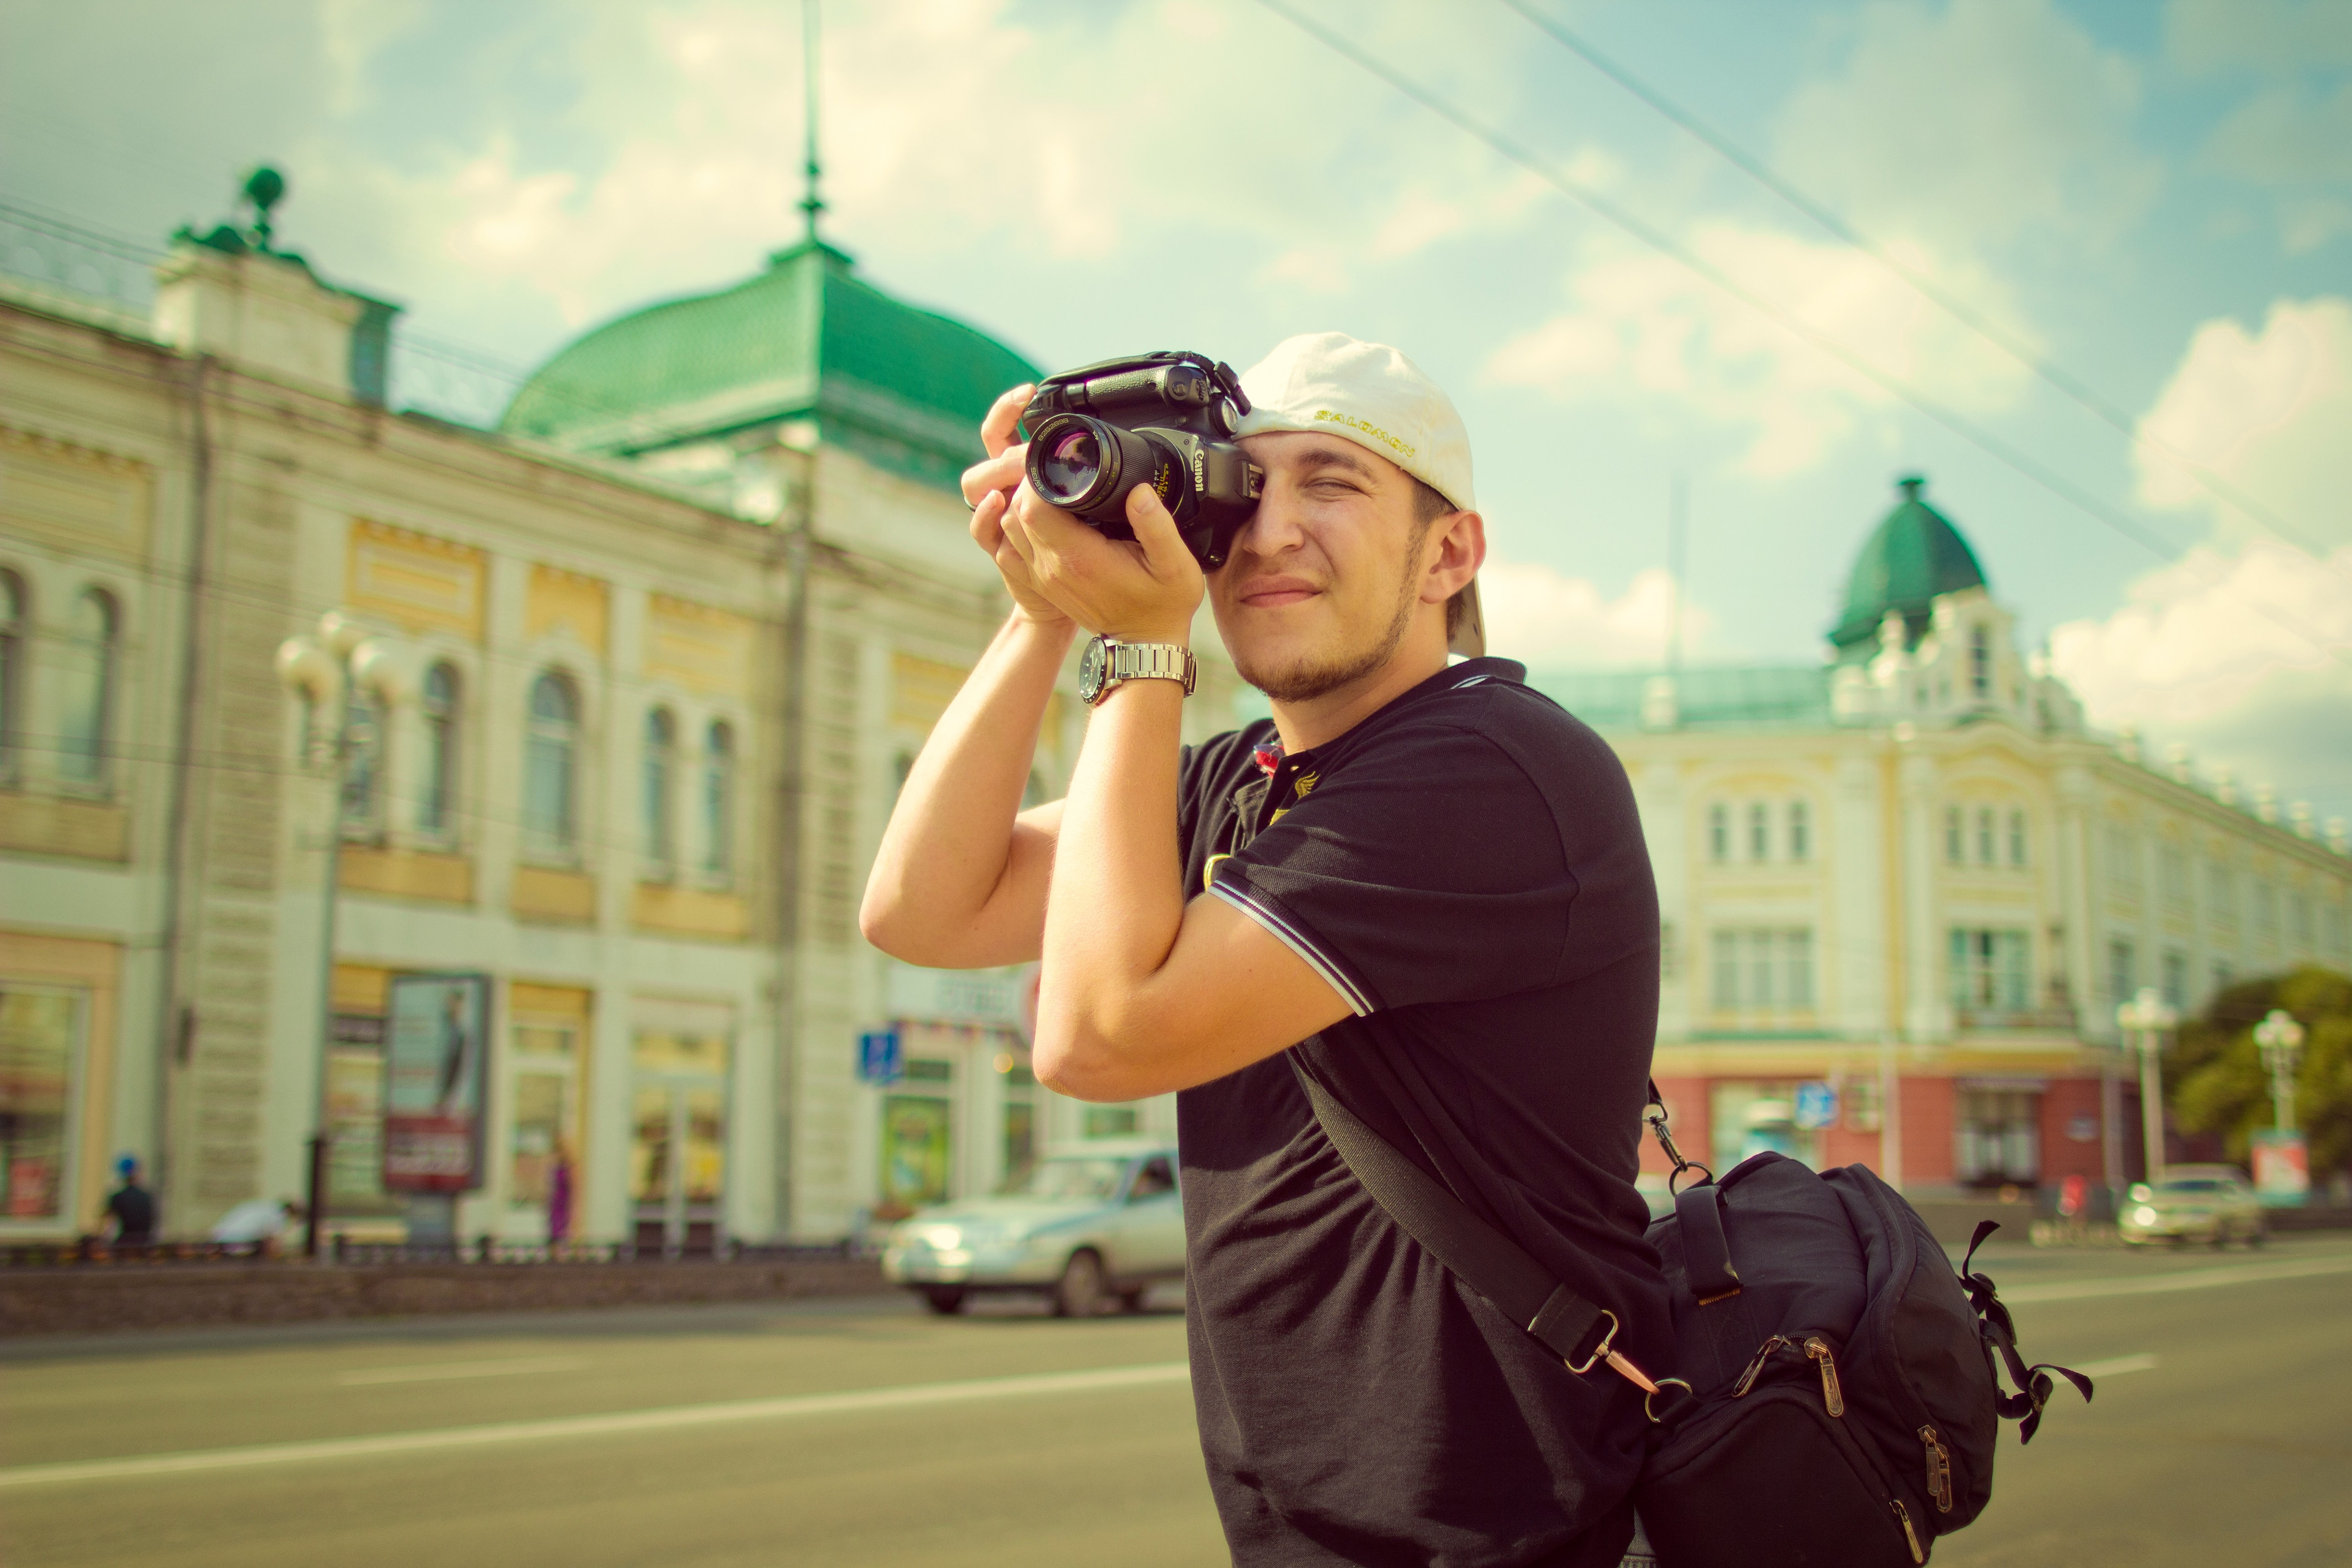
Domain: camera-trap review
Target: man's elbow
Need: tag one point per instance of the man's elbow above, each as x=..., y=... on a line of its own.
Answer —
x=882, y=921
x=1088, y=1061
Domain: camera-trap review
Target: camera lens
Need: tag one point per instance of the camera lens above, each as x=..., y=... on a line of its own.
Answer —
x=1071, y=465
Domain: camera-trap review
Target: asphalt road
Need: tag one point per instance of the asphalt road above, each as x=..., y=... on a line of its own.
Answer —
x=867, y=1433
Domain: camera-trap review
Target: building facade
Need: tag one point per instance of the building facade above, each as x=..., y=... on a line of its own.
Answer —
x=1911, y=875
x=630, y=681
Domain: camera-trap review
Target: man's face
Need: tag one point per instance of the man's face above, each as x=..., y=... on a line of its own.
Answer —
x=1323, y=580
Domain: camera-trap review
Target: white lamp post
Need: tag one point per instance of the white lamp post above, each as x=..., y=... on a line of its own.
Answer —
x=2144, y=1021
x=2280, y=1039
x=321, y=669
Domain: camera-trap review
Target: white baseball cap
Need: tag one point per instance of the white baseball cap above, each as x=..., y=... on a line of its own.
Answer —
x=1333, y=384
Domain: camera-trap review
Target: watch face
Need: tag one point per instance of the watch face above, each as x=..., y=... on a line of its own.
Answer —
x=1092, y=666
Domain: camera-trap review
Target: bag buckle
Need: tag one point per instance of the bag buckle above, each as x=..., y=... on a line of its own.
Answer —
x=1602, y=1352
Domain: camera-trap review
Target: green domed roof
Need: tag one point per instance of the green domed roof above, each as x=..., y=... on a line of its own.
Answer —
x=806, y=339
x=1915, y=556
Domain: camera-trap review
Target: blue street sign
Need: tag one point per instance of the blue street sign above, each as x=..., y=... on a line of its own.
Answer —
x=878, y=1056
x=1817, y=1105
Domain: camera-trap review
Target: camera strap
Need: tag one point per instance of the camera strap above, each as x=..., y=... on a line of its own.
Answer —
x=1563, y=1321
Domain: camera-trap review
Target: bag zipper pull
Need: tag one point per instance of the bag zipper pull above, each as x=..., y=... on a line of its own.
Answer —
x=1939, y=1470
x=1909, y=1534
x=1831, y=1394
x=1756, y=1367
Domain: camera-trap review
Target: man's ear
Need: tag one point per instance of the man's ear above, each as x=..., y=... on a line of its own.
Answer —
x=1456, y=548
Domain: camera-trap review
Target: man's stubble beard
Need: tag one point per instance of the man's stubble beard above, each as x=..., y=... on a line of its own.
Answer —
x=1311, y=677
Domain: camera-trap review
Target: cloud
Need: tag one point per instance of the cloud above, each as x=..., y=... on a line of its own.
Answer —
x=2246, y=657
x=1544, y=616
x=2268, y=413
x=1642, y=324
x=1974, y=124
x=2279, y=36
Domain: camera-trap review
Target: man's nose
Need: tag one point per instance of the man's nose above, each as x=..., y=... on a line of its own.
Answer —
x=1271, y=529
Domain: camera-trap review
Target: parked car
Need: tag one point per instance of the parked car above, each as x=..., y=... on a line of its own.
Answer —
x=2193, y=1203
x=1083, y=1228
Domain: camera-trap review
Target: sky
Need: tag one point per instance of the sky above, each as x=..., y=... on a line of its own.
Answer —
x=2087, y=267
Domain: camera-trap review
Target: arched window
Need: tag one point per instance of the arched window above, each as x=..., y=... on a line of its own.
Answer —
x=436, y=809
x=718, y=801
x=1952, y=835
x=12, y=667
x=1981, y=663
x=1984, y=837
x=2017, y=839
x=1719, y=834
x=1760, y=832
x=1801, y=831
x=363, y=765
x=654, y=792
x=550, y=813
x=87, y=688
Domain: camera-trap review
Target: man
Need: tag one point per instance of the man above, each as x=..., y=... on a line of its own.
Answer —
x=1426, y=869
x=131, y=1207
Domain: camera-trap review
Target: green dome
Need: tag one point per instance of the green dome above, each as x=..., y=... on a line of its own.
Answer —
x=1915, y=556
x=806, y=339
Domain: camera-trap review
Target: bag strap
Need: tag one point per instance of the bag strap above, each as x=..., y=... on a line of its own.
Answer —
x=2000, y=1332
x=1572, y=1328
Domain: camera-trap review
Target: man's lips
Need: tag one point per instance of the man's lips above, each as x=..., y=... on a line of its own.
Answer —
x=1273, y=592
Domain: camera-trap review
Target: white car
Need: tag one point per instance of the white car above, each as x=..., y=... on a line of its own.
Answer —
x=1083, y=1226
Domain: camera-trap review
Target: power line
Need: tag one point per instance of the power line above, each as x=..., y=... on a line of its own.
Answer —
x=1610, y=211
x=2040, y=365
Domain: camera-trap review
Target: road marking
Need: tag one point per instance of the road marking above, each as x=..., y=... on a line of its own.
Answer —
x=2188, y=1279
x=2117, y=1366
x=439, y=1370
x=658, y=1420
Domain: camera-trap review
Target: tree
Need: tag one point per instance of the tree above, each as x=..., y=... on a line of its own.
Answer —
x=2217, y=1082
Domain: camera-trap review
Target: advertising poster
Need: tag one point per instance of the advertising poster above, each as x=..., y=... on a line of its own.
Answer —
x=435, y=1062
x=2281, y=1168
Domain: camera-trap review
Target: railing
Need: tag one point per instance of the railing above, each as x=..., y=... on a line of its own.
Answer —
x=96, y=1251
x=2048, y=1018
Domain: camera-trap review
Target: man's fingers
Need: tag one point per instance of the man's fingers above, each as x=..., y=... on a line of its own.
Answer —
x=1155, y=531
x=1003, y=418
x=1002, y=472
x=988, y=521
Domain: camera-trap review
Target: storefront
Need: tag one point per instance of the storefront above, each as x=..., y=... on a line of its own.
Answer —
x=58, y=1005
x=680, y=1056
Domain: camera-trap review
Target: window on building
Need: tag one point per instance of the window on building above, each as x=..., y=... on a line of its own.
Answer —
x=1763, y=967
x=436, y=808
x=1980, y=663
x=2265, y=903
x=1719, y=834
x=86, y=689
x=2298, y=918
x=41, y=1029
x=2122, y=858
x=719, y=800
x=1984, y=837
x=654, y=789
x=1992, y=970
x=1955, y=836
x=364, y=748
x=12, y=669
x=550, y=762
x=2172, y=868
x=2224, y=975
x=2174, y=978
x=2224, y=882
x=1759, y=833
x=2017, y=839
x=1801, y=831
x=2123, y=971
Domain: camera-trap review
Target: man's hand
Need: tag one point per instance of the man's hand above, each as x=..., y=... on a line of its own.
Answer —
x=988, y=490
x=1143, y=589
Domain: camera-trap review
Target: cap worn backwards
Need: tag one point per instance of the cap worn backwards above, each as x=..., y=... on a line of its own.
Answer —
x=1333, y=384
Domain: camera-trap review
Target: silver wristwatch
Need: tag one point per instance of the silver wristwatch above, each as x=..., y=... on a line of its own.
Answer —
x=1109, y=661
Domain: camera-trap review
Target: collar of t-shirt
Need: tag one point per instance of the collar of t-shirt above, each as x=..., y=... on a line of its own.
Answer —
x=1288, y=778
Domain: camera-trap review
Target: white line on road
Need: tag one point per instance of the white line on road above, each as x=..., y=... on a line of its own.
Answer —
x=435, y=1372
x=2117, y=1366
x=663, y=1419
x=2188, y=1279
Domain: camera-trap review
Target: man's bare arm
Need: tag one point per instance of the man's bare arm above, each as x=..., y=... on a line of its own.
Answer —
x=960, y=879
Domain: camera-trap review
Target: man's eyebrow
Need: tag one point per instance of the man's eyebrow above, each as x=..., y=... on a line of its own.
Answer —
x=1328, y=457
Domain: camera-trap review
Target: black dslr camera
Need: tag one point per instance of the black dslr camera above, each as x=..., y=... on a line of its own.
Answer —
x=1165, y=420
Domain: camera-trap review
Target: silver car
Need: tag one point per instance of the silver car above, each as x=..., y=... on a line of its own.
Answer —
x=2194, y=1202
x=1083, y=1228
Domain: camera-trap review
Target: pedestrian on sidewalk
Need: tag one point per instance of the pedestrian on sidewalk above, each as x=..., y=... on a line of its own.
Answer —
x=130, y=1209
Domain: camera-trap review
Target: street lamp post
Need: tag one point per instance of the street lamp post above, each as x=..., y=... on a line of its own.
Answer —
x=318, y=668
x=2144, y=1020
x=2280, y=1039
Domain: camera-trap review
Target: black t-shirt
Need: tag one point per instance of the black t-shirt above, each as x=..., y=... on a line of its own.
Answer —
x=1467, y=869
x=133, y=1210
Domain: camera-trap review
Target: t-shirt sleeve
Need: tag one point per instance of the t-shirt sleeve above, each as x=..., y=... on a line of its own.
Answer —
x=1428, y=870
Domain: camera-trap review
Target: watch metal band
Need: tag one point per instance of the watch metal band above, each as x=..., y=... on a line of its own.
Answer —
x=1153, y=661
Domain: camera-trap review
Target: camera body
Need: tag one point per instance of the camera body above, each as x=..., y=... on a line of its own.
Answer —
x=1165, y=420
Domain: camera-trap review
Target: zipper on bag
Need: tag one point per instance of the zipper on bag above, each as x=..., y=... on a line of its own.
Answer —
x=1832, y=1397
x=1755, y=1366
x=1918, y=1554
x=1939, y=1470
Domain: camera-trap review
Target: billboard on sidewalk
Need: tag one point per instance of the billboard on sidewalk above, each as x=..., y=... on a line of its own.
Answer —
x=436, y=1057
x=2281, y=1168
